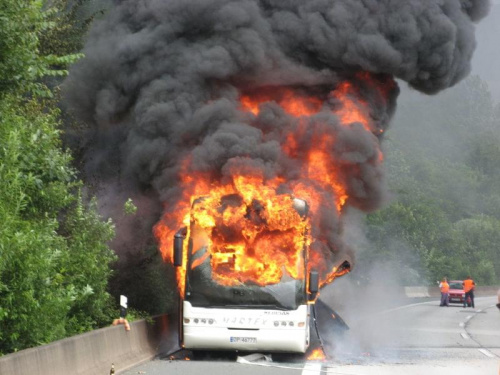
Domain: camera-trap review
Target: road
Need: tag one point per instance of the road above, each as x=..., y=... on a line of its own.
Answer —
x=416, y=338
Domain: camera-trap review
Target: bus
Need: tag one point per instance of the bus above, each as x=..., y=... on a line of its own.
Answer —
x=220, y=310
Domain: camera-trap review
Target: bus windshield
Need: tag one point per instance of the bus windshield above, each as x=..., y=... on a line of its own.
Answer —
x=203, y=291
x=247, y=252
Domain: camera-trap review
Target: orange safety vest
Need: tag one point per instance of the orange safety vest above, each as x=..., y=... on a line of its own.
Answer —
x=468, y=285
x=445, y=287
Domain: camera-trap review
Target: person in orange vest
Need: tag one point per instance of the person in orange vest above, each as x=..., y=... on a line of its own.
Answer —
x=445, y=292
x=469, y=286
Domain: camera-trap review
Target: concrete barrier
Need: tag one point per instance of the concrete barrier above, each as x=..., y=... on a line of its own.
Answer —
x=416, y=291
x=486, y=290
x=433, y=291
x=93, y=352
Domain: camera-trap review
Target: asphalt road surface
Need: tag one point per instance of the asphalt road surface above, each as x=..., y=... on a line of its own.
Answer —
x=416, y=338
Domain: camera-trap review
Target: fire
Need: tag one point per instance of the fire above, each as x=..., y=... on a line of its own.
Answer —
x=256, y=239
x=287, y=99
x=317, y=355
x=352, y=110
x=259, y=237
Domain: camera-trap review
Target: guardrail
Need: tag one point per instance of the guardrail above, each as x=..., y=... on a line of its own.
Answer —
x=93, y=352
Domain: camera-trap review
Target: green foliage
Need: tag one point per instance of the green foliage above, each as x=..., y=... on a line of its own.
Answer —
x=69, y=21
x=88, y=260
x=20, y=25
x=129, y=207
x=443, y=163
x=54, y=261
x=133, y=315
x=22, y=65
x=54, y=257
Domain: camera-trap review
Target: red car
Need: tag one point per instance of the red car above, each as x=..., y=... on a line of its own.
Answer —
x=457, y=293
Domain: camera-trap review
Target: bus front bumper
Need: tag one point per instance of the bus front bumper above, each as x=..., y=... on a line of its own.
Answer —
x=219, y=338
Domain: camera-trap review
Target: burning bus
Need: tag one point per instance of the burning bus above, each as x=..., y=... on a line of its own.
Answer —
x=251, y=256
x=258, y=98
x=189, y=99
x=248, y=284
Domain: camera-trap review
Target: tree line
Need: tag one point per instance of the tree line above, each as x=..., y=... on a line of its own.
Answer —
x=54, y=253
x=443, y=168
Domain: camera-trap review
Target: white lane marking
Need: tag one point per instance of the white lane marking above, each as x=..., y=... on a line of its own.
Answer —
x=311, y=369
x=407, y=306
x=487, y=353
x=461, y=324
x=308, y=369
x=469, y=317
x=465, y=336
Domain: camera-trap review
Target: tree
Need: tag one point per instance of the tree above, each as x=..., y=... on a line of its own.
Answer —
x=54, y=258
x=443, y=160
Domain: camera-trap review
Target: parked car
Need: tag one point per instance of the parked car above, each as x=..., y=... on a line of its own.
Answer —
x=457, y=293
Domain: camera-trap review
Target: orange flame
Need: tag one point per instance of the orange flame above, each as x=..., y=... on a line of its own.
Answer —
x=260, y=244
x=286, y=98
x=317, y=355
x=247, y=244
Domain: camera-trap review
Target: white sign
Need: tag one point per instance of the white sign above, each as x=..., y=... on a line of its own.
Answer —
x=123, y=301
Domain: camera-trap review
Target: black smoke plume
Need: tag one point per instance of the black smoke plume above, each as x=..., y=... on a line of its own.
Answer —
x=161, y=81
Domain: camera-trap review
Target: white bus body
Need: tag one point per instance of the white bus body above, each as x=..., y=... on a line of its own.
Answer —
x=246, y=329
x=245, y=316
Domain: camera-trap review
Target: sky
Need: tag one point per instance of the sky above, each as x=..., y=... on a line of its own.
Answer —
x=486, y=60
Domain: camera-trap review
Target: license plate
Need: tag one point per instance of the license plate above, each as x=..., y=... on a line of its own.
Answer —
x=246, y=340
